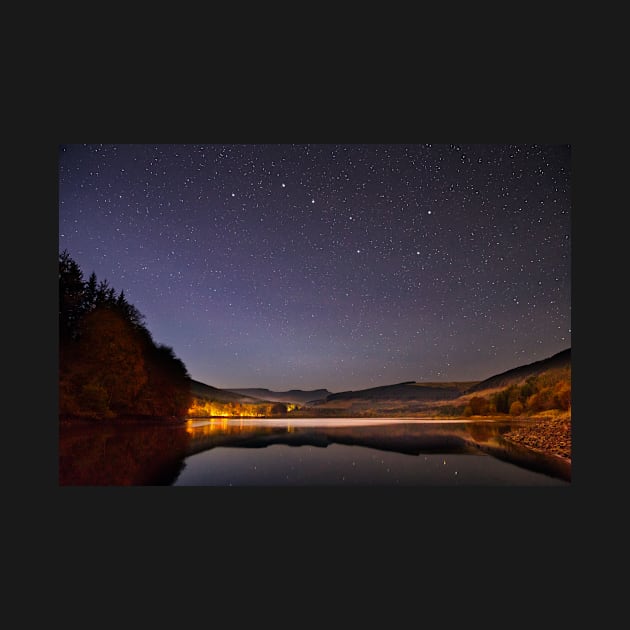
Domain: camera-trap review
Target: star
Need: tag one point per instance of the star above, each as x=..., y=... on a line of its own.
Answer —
x=504, y=231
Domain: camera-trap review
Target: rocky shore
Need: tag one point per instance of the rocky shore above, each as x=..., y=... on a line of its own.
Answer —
x=550, y=435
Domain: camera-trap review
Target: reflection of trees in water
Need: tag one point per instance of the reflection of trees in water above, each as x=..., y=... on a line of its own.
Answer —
x=121, y=456
x=226, y=432
x=483, y=431
x=401, y=438
x=226, y=426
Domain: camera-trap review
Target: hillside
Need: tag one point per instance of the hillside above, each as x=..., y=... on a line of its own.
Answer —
x=538, y=386
x=297, y=396
x=452, y=398
x=519, y=374
x=208, y=401
x=201, y=390
x=409, y=390
x=400, y=399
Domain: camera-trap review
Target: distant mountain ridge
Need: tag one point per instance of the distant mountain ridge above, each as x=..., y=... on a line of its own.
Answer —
x=408, y=390
x=428, y=398
x=417, y=391
x=201, y=390
x=408, y=395
x=297, y=396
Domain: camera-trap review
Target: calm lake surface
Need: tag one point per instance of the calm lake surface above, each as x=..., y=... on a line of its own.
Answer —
x=303, y=452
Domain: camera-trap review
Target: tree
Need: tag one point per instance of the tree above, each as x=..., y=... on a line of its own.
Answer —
x=129, y=311
x=527, y=389
x=111, y=359
x=501, y=400
x=167, y=390
x=109, y=364
x=478, y=405
x=90, y=292
x=105, y=295
x=71, y=293
x=541, y=400
x=562, y=395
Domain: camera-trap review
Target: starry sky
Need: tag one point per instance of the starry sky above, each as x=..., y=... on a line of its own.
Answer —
x=338, y=266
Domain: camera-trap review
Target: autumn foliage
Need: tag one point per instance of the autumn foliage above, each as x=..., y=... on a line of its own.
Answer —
x=206, y=408
x=550, y=390
x=109, y=365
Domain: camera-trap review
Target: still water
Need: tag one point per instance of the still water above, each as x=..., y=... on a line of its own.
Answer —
x=304, y=452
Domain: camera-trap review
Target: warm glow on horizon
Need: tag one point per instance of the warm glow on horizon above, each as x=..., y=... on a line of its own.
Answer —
x=213, y=409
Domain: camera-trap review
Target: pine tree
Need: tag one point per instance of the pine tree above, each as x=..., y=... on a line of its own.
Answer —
x=109, y=364
x=71, y=296
x=90, y=293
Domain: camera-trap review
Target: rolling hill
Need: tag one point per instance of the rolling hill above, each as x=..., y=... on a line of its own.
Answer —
x=407, y=391
x=201, y=390
x=429, y=398
x=297, y=396
x=517, y=375
x=400, y=399
x=208, y=401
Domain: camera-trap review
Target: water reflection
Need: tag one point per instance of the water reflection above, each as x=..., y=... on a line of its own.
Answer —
x=327, y=451
x=111, y=454
x=340, y=464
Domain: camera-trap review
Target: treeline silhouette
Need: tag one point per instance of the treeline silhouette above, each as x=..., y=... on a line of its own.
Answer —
x=109, y=365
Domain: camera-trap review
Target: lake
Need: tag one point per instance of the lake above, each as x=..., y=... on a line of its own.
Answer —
x=303, y=452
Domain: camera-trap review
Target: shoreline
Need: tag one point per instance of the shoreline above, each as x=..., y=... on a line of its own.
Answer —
x=549, y=435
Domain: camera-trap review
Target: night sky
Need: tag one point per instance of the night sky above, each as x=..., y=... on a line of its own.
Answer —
x=305, y=266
